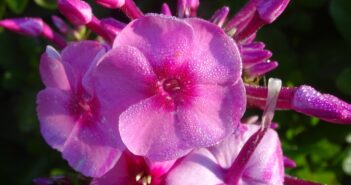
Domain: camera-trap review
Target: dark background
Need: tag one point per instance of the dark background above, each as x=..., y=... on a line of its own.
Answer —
x=311, y=41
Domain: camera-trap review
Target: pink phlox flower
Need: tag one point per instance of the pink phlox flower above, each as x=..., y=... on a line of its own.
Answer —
x=135, y=170
x=72, y=118
x=175, y=90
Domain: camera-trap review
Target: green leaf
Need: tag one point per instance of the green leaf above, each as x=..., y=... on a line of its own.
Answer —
x=17, y=6
x=340, y=11
x=344, y=80
x=49, y=4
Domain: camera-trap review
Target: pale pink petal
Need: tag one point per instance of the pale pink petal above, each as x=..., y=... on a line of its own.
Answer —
x=213, y=114
x=199, y=167
x=160, y=38
x=216, y=57
x=226, y=151
x=266, y=164
x=149, y=130
x=94, y=147
x=53, y=111
x=52, y=71
x=123, y=78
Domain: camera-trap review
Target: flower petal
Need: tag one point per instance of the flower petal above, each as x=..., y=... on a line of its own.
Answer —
x=173, y=40
x=216, y=58
x=52, y=71
x=119, y=174
x=94, y=148
x=199, y=167
x=122, y=78
x=151, y=131
x=53, y=111
x=265, y=165
x=226, y=151
x=212, y=115
x=79, y=56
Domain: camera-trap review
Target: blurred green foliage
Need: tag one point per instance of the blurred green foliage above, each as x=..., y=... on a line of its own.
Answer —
x=311, y=41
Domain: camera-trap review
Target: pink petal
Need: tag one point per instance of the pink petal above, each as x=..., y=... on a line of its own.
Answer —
x=159, y=168
x=52, y=71
x=79, y=56
x=149, y=130
x=212, y=115
x=122, y=78
x=216, y=57
x=198, y=166
x=94, y=148
x=173, y=40
x=226, y=151
x=117, y=175
x=53, y=110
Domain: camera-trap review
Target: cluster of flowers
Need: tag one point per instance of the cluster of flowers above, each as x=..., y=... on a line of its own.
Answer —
x=160, y=100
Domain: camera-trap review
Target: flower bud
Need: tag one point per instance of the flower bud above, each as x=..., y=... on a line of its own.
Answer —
x=111, y=3
x=324, y=106
x=76, y=11
x=25, y=26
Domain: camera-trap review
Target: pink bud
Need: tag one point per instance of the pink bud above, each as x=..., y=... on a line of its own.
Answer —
x=187, y=8
x=324, y=106
x=76, y=11
x=306, y=100
x=261, y=68
x=271, y=10
x=112, y=26
x=254, y=56
x=60, y=24
x=254, y=15
x=25, y=26
x=33, y=27
x=166, y=10
x=111, y=3
x=289, y=163
x=220, y=16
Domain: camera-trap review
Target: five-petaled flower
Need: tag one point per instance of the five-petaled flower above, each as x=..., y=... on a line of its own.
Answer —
x=175, y=91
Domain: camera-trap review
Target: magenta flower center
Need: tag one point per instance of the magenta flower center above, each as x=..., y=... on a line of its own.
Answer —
x=174, y=85
x=171, y=86
x=84, y=107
